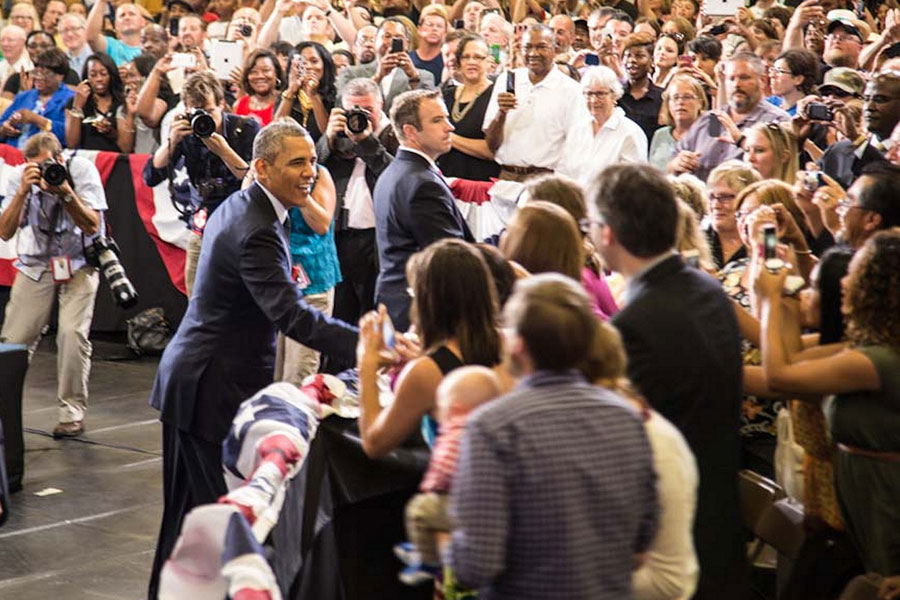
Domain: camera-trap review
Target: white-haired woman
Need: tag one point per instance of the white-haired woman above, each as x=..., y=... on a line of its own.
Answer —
x=602, y=135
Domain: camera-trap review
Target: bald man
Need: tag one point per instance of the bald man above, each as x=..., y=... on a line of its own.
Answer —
x=563, y=35
x=460, y=392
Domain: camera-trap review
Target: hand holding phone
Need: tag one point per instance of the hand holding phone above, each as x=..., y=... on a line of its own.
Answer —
x=396, y=45
x=184, y=60
x=591, y=60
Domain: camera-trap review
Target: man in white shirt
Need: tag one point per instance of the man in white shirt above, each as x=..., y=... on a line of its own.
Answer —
x=526, y=129
x=355, y=162
x=15, y=57
x=72, y=30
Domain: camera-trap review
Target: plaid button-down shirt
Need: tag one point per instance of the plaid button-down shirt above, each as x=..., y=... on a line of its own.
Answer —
x=554, y=493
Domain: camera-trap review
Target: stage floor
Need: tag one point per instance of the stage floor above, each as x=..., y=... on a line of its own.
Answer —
x=94, y=538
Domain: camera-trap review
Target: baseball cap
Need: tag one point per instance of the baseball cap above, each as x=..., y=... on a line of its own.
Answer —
x=845, y=79
x=848, y=26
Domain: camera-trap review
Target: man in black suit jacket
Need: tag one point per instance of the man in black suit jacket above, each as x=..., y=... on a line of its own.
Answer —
x=224, y=349
x=681, y=336
x=413, y=205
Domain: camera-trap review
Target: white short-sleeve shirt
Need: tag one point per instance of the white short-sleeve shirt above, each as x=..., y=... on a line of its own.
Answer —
x=586, y=154
x=535, y=132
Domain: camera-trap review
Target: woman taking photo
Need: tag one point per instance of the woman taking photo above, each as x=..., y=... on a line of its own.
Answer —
x=454, y=310
x=682, y=104
x=607, y=137
x=469, y=156
x=311, y=91
x=864, y=379
x=98, y=117
x=260, y=83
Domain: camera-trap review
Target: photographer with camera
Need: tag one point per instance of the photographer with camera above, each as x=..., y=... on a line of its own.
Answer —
x=216, y=147
x=359, y=143
x=56, y=208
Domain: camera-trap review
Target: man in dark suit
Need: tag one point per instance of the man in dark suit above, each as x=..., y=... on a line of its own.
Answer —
x=224, y=349
x=413, y=205
x=681, y=336
x=356, y=161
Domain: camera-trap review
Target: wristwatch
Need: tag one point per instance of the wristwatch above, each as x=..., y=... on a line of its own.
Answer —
x=66, y=198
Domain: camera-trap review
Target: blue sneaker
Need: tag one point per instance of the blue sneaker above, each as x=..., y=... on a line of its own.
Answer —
x=419, y=574
x=407, y=554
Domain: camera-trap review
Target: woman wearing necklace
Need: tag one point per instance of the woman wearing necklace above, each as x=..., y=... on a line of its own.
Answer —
x=311, y=91
x=260, y=81
x=98, y=116
x=469, y=156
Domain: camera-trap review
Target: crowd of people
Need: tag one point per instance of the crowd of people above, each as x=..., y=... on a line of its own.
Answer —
x=592, y=378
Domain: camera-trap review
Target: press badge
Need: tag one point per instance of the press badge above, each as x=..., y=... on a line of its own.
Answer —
x=298, y=274
x=61, y=268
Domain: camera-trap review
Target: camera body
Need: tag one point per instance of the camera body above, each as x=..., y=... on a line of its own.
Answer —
x=357, y=120
x=202, y=123
x=104, y=255
x=817, y=111
x=53, y=173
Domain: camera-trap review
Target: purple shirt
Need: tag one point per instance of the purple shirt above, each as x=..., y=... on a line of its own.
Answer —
x=714, y=152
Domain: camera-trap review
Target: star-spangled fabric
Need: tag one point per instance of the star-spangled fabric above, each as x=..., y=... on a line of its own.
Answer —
x=219, y=550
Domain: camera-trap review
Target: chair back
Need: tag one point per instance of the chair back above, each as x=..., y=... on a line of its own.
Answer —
x=781, y=526
x=756, y=493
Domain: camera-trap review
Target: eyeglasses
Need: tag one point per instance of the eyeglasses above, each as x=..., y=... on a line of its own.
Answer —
x=21, y=17
x=69, y=30
x=722, y=198
x=844, y=205
x=585, y=223
x=597, y=95
x=740, y=214
x=780, y=71
x=682, y=97
x=834, y=37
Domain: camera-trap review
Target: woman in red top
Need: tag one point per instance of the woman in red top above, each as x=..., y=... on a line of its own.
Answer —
x=260, y=81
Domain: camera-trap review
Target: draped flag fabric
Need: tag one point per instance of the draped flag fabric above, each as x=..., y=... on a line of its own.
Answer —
x=219, y=550
x=124, y=184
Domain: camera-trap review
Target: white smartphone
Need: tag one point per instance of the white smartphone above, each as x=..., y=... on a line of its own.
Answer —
x=224, y=56
x=184, y=60
x=722, y=8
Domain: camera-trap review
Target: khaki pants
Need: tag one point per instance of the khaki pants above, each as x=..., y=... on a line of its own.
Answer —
x=192, y=255
x=294, y=362
x=426, y=514
x=28, y=312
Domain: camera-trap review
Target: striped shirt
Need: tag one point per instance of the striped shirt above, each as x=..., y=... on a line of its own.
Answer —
x=554, y=493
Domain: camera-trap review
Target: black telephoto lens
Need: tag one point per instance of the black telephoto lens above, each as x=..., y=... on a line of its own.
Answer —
x=357, y=120
x=246, y=30
x=53, y=173
x=202, y=123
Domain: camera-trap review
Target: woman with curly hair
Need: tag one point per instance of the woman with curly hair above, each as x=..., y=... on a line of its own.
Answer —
x=311, y=91
x=864, y=379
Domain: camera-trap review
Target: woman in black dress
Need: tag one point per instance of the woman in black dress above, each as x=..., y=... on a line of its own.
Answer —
x=98, y=117
x=311, y=91
x=469, y=157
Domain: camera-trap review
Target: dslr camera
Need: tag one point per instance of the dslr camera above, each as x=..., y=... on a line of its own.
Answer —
x=54, y=173
x=357, y=120
x=103, y=254
x=202, y=123
x=246, y=30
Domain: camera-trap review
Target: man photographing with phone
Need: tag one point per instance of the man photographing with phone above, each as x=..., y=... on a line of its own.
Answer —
x=704, y=147
x=216, y=148
x=393, y=70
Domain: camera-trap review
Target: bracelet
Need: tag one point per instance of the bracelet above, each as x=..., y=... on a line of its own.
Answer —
x=48, y=126
x=740, y=140
x=287, y=95
x=414, y=80
x=76, y=113
x=328, y=12
x=807, y=251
